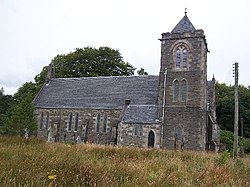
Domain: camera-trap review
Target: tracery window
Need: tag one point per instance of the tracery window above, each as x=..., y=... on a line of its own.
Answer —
x=70, y=122
x=76, y=121
x=176, y=90
x=181, y=57
x=183, y=90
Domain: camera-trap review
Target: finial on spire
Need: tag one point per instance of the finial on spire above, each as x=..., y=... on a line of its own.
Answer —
x=185, y=11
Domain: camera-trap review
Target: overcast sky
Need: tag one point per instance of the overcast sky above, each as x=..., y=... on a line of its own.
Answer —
x=33, y=32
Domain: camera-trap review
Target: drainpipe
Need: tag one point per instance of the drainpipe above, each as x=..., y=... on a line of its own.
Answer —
x=163, y=104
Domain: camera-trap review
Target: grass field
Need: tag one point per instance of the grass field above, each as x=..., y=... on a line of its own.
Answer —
x=35, y=163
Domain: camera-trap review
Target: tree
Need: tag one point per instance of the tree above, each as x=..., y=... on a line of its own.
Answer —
x=21, y=114
x=225, y=108
x=5, y=105
x=89, y=62
x=142, y=72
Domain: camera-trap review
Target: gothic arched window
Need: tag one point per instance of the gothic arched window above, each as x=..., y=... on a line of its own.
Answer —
x=41, y=120
x=184, y=58
x=176, y=90
x=181, y=57
x=178, y=58
x=98, y=119
x=47, y=120
x=76, y=121
x=105, y=121
x=70, y=122
x=183, y=90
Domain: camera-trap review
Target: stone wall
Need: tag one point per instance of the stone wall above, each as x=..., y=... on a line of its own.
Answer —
x=58, y=121
x=128, y=137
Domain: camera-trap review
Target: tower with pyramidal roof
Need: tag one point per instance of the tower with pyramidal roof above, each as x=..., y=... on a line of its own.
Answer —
x=183, y=95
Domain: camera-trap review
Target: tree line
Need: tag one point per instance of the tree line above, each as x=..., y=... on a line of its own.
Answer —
x=17, y=111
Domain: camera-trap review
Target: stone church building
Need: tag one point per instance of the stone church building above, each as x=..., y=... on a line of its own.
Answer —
x=175, y=110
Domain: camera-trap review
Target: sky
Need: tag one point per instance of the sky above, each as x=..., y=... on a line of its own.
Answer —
x=33, y=32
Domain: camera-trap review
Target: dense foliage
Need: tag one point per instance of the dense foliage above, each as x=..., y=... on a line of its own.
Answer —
x=89, y=62
x=17, y=112
x=225, y=108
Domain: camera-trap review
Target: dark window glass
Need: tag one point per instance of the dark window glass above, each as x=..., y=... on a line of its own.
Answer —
x=76, y=122
x=178, y=58
x=184, y=58
x=183, y=90
x=41, y=120
x=105, y=121
x=176, y=90
x=47, y=120
x=98, y=119
x=70, y=122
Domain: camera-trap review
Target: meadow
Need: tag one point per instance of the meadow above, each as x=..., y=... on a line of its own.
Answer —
x=32, y=162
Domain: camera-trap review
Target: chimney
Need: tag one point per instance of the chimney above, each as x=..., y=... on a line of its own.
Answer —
x=50, y=72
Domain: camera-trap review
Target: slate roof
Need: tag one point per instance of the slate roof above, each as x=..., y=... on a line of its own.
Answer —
x=98, y=92
x=184, y=25
x=140, y=114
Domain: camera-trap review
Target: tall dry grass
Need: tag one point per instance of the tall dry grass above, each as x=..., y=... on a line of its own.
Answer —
x=35, y=163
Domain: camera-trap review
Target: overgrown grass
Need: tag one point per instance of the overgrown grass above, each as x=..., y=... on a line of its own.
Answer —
x=32, y=162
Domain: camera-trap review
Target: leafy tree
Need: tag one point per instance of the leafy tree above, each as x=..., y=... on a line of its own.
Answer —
x=5, y=105
x=21, y=115
x=225, y=108
x=142, y=72
x=89, y=62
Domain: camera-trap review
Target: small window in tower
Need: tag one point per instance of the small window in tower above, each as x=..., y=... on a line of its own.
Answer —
x=184, y=58
x=98, y=119
x=176, y=90
x=183, y=90
x=178, y=58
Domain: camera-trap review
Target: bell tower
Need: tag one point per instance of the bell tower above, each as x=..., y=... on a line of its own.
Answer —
x=183, y=87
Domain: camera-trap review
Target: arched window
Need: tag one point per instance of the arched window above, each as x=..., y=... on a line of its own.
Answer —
x=47, y=120
x=183, y=90
x=184, y=58
x=176, y=90
x=70, y=122
x=181, y=57
x=98, y=119
x=178, y=58
x=41, y=120
x=105, y=121
x=76, y=121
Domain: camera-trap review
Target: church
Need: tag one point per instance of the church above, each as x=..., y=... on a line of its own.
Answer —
x=173, y=110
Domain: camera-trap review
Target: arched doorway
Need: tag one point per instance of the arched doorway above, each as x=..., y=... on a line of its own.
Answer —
x=151, y=139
